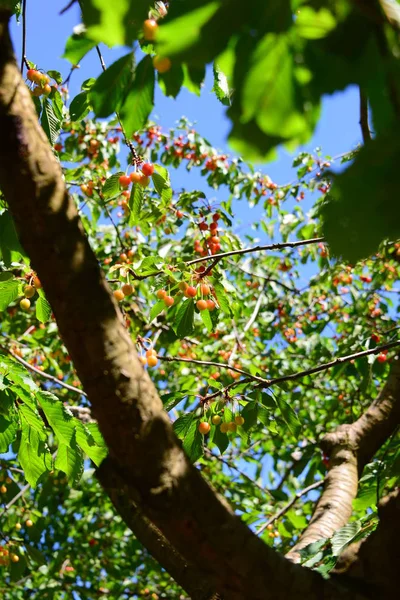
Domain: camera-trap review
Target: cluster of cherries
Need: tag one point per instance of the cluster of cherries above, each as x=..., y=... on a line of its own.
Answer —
x=162, y=64
x=189, y=291
x=149, y=358
x=43, y=87
x=224, y=427
x=143, y=178
x=29, y=291
x=212, y=242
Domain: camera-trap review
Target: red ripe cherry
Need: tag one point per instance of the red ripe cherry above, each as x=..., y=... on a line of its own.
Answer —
x=366, y=278
x=179, y=214
x=203, y=226
x=216, y=216
x=190, y=291
x=201, y=304
x=168, y=300
x=124, y=181
x=147, y=169
x=215, y=239
x=33, y=75
x=204, y=427
x=381, y=358
x=210, y=304
x=213, y=226
x=375, y=338
x=161, y=294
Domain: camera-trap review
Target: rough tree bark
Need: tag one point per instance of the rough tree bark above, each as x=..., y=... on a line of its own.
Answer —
x=143, y=449
x=350, y=448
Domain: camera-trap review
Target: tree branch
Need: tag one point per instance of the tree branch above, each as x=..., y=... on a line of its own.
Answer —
x=366, y=134
x=349, y=449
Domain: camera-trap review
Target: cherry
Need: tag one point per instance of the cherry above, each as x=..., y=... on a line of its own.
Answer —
x=203, y=226
x=201, y=304
x=205, y=289
x=216, y=216
x=150, y=28
x=179, y=214
x=168, y=300
x=381, y=358
x=3, y=489
x=216, y=420
x=375, y=338
x=14, y=558
x=33, y=75
x=224, y=427
x=366, y=278
x=232, y=426
x=144, y=181
x=29, y=291
x=147, y=169
x=135, y=176
x=204, y=427
x=143, y=360
x=213, y=226
x=127, y=289
x=25, y=304
x=119, y=295
x=124, y=181
x=37, y=91
x=161, y=294
x=190, y=291
x=152, y=360
x=214, y=239
x=37, y=283
x=161, y=64
x=210, y=304
x=28, y=523
x=46, y=90
x=239, y=420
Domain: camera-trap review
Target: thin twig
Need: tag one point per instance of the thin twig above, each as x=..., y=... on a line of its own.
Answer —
x=67, y=7
x=109, y=215
x=23, y=50
x=366, y=134
x=277, y=246
x=210, y=363
x=289, y=505
x=43, y=374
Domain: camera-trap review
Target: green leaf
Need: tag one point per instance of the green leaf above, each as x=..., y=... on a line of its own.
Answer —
x=193, y=442
x=111, y=88
x=171, y=81
x=111, y=187
x=182, y=424
x=105, y=20
x=8, y=292
x=270, y=93
x=59, y=418
x=289, y=416
x=206, y=318
x=362, y=208
x=80, y=106
x=314, y=24
x=33, y=419
x=69, y=459
x=10, y=248
x=222, y=297
x=221, y=86
x=135, y=204
x=156, y=309
x=88, y=444
x=33, y=455
x=221, y=440
x=56, y=75
x=43, y=308
x=343, y=537
x=8, y=432
x=139, y=102
x=35, y=555
x=49, y=121
x=163, y=187
x=184, y=31
x=183, y=324
x=77, y=46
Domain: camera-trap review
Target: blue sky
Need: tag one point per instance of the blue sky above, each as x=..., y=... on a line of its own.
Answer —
x=47, y=31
